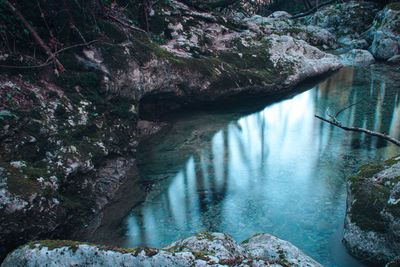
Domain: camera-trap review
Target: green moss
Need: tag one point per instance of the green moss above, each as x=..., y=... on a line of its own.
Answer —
x=89, y=79
x=54, y=244
x=35, y=114
x=114, y=56
x=248, y=239
x=367, y=171
x=371, y=199
x=158, y=24
x=392, y=161
x=80, y=131
x=20, y=185
x=90, y=82
x=205, y=235
x=112, y=31
x=291, y=30
x=74, y=245
x=201, y=255
x=394, y=6
x=33, y=128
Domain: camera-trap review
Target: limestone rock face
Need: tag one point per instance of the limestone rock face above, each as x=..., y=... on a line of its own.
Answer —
x=198, y=63
x=385, y=34
x=206, y=249
x=350, y=18
x=357, y=57
x=372, y=222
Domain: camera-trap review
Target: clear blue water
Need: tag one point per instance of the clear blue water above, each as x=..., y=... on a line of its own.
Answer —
x=275, y=169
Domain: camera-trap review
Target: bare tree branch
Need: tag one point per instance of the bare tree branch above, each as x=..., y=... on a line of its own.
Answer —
x=48, y=61
x=125, y=24
x=334, y=121
x=312, y=10
x=35, y=35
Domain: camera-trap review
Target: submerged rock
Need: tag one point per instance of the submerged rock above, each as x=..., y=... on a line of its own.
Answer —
x=372, y=222
x=206, y=249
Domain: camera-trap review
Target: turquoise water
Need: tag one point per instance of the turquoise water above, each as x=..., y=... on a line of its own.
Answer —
x=274, y=169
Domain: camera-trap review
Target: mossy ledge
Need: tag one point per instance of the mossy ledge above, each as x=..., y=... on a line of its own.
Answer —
x=373, y=210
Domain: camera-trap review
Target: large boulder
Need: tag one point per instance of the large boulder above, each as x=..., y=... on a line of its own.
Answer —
x=372, y=222
x=205, y=249
x=383, y=46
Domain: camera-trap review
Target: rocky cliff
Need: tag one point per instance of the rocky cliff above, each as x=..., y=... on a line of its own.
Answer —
x=362, y=29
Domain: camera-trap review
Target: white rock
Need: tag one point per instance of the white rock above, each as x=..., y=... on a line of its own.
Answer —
x=357, y=57
x=271, y=248
x=206, y=249
x=18, y=164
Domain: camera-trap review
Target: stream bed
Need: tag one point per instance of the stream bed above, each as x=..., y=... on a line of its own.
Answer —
x=269, y=167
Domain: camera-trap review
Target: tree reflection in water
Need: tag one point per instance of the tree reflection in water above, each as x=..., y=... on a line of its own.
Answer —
x=279, y=170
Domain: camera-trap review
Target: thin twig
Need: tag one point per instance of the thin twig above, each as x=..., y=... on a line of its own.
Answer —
x=77, y=45
x=48, y=61
x=126, y=24
x=343, y=109
x=314, y=9
x=27, y=67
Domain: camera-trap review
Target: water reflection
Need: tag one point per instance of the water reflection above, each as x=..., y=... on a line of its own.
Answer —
x=279, y=170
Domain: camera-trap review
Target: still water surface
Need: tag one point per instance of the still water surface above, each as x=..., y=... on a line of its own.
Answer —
x=275, y=169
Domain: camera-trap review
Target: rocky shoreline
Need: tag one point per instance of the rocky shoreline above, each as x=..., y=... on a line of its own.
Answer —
x=203, y=249
x=69, y=142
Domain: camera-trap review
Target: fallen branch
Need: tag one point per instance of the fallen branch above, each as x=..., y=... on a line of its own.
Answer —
x=77, y=45
x=334, y=121
x=148, y=184
x=35, y=35
x=312, y=10
x=48, y=61
x=125, y=24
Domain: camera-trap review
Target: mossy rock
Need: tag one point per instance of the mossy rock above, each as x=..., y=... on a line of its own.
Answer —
x=371, y=197
x=366, y=211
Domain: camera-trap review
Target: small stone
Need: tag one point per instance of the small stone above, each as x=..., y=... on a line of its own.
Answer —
x=18, y=164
